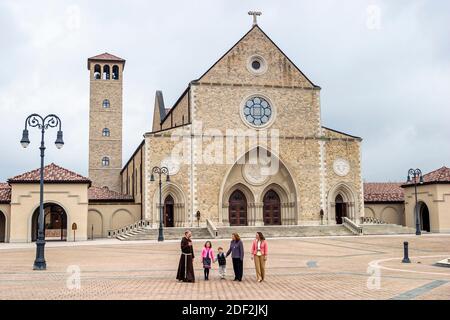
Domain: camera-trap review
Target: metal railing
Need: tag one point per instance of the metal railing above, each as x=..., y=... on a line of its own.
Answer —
x=352, y=226
x=211, y=228
x=125, y=229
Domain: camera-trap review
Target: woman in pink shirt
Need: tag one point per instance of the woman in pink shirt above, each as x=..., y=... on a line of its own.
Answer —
x=259, y=255
x=207, y=258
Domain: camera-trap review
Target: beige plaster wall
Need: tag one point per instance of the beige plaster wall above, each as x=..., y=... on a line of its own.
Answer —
x=25, y=199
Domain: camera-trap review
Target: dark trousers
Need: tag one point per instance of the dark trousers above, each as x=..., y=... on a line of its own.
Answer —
x=238, y=267
x=206, y=271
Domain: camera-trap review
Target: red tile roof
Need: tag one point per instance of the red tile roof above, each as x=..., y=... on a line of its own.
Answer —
x=383, y=192
x=104, y=194
x=5, y=193
x=441, y=175
x=105, y=57
x=52, y=174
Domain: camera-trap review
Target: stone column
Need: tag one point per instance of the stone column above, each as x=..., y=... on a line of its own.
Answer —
x=225, y=217
x=259, y=219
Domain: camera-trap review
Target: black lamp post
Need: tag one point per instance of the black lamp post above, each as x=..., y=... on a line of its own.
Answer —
x=160, y=172
x=36, y=121
x=413, y=176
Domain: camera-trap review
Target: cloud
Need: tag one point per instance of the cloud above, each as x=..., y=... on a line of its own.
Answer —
x=388, y=84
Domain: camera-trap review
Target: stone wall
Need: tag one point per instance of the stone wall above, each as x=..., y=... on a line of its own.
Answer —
x=392, y=213
x=100, y=118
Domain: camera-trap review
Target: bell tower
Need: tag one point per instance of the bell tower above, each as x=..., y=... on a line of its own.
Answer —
x=105, y=120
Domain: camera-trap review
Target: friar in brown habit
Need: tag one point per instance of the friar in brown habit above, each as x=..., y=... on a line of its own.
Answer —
x=186, y=266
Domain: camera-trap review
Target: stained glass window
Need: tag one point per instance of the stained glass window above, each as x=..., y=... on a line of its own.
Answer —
x=257, y=111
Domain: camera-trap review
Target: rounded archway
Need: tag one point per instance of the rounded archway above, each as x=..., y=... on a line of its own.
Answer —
x=237, y=209
x=271, y=208
x=2, y=227
x=95, y=224
x=121, y=218
x=55, y=223
x=424, y=214
x=169, y=203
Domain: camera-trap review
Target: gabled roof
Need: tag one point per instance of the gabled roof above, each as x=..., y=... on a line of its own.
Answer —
x=383, y=192
x=5, y=193
x=52, y=174
x=103, y=194
x=439, y=176
x=105, y=57
x=281, y=51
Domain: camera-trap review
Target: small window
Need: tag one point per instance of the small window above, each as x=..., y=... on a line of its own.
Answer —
x=106, y=72
x=106, y=103
x=105, y=162
x=106, y=132
x=115, y=72
x=97, y=72
x=256, y=65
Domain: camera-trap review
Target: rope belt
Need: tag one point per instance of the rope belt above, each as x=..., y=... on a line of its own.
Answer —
x=185, y=263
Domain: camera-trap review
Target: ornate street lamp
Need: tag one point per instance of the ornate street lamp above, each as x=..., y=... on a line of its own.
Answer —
x=36, y=121
x=160, y=171
x=413, y=176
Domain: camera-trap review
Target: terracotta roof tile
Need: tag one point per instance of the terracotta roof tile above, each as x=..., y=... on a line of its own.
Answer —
x=441, y=175
x=104, y=194
x=5, y=193
x=383, y=192
x=52, y=173
x=106, y=56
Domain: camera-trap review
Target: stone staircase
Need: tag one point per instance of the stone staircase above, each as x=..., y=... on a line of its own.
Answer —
x=284, y=231
x=142, y=231
x=169, y=234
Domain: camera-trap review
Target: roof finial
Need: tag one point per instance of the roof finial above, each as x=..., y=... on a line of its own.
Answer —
x=254, y=14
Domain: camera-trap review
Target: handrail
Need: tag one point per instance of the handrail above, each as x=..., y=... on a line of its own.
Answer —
x=352, y=226
x=125, y=229
x=211, y=228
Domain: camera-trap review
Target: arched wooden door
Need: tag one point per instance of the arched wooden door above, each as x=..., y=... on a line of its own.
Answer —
x=272, y=209
x=55, y=223
x=341, y=209
x=238, y=209
x=169, y=212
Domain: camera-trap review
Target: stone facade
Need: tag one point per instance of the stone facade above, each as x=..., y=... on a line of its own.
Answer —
x=105, y=113
x=206, y=134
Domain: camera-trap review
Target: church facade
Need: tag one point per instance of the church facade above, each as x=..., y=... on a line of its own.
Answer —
x=245, y=146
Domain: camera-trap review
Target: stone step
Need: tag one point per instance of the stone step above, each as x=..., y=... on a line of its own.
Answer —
x=386, y=229
x=285, y=231
x=169, y=234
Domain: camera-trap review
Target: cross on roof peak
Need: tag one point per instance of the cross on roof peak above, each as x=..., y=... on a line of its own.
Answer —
x=255, y=14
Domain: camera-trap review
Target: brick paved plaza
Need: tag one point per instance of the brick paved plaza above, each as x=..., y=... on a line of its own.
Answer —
x=306, y=268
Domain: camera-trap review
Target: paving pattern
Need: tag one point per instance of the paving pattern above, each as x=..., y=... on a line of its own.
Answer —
x=339, y=268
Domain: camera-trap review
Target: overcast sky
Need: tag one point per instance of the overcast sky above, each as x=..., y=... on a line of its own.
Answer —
x=384, y=69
